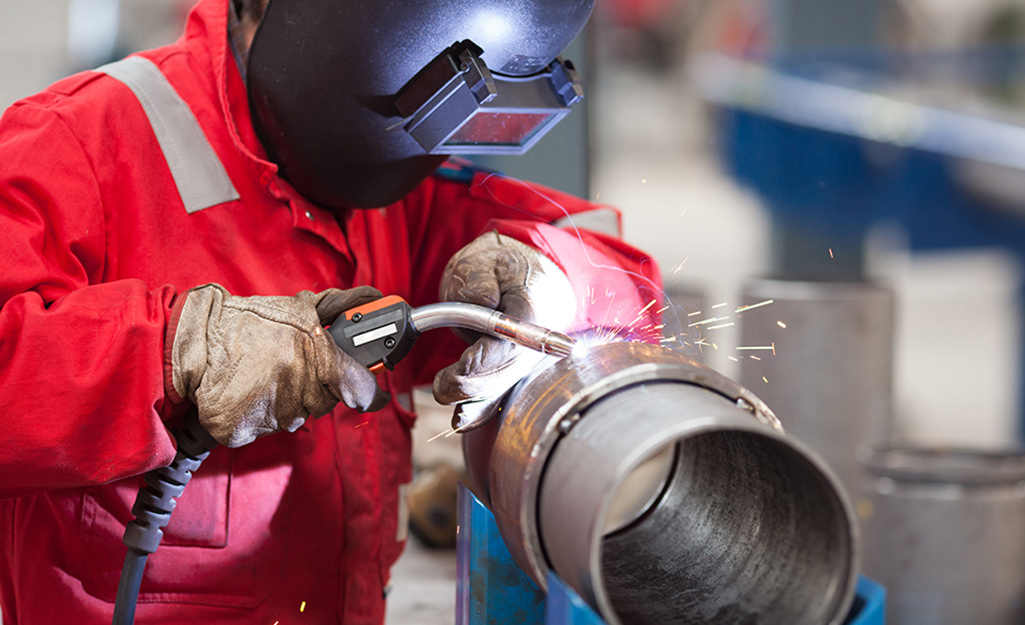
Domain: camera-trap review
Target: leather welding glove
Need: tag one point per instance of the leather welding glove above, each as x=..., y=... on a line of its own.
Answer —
x=258, y=365
x=501, y=273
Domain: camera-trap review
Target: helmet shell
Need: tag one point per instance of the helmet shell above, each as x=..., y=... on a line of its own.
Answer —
x=323, y=76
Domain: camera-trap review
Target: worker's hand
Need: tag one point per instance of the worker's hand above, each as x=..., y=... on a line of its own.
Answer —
x=499, y=272
x=258, y=365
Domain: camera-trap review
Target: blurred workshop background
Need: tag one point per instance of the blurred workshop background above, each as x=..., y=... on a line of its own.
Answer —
x=860, y=163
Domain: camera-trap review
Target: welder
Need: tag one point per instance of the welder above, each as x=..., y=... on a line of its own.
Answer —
x=177, y=228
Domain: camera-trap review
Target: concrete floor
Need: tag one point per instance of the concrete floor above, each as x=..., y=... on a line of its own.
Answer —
x=423, y=587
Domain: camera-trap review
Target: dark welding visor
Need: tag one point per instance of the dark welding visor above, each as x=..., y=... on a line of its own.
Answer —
x=456, y=105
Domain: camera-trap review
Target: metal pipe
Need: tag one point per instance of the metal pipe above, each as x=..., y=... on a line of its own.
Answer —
x=831, y=370
x=945, y=533
x=493, y=323
x=736, y=521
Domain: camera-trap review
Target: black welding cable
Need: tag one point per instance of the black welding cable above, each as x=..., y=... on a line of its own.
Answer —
x=128, y=587
x=153, y=506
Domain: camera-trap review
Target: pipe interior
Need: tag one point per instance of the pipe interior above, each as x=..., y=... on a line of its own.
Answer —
x=746, y=531
x=640, y=490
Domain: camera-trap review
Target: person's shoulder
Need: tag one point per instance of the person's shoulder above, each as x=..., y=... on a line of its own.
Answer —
x=90, y=103
x=92, y=90
x=80, y=98
x=57, y=94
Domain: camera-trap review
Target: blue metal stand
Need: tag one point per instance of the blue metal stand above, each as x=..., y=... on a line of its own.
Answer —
x=565, y=607
x=491, y=589
x=869, y=604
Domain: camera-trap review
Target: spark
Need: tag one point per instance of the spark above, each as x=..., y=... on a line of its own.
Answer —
x=764, y=380
x=694, y=313
x=659, y=326
x=642, y=311
x=644, y=181
x=752, y=306
x=451, y=431
x=439, y=435
x=362, y=424
x=302, y=606
x=701, y=341
x=754, y=357
x=650, y=304
x=771, y=348
x=734, y=358
x=720, y=305
x=830, y=252
x=707, y=321
x=721, y=325
x=597, y=196
x=781, y=324
x=680, y=266
x=685, y=208
x=662, y=310
x=671, y=339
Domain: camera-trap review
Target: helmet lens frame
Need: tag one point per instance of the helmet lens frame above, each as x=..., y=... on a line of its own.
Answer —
x=455, y=105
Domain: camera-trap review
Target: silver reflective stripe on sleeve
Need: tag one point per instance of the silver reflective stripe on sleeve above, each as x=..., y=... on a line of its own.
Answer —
x=603, y=220
x=200, y=176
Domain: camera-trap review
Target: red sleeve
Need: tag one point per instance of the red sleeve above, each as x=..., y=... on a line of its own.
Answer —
x=81, y=362
x=618, y=288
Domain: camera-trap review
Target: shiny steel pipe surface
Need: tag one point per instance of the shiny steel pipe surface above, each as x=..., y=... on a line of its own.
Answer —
x=493, y=323
x=740, y=523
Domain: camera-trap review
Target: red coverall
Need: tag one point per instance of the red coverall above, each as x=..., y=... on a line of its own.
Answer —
x=95, y=245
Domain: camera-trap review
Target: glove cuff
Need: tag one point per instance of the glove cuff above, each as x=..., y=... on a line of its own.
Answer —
x=185, y=346
x=170, y=331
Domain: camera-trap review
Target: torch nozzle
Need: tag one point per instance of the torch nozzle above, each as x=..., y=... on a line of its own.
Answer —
x=493, y=323
x=558, y=344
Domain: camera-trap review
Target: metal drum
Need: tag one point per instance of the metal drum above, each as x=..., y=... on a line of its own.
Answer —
x=664, y=493
x=945, y=533
x=822, y=356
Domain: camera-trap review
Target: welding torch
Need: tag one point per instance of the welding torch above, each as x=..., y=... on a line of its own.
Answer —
x=378, y=335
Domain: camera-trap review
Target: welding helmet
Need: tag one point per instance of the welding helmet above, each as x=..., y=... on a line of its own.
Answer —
x=358, y=101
